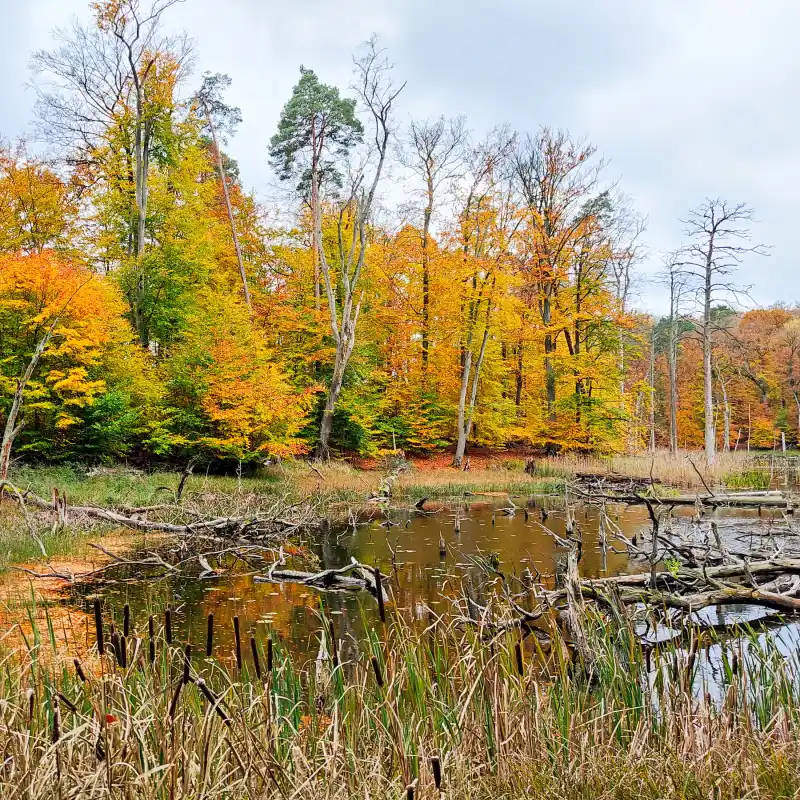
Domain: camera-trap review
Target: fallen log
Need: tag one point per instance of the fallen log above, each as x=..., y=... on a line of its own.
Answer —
x=221, y=525
x=361, y=578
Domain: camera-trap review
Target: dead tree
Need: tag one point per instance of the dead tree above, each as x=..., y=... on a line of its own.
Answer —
x=378, y=94
x=434, y=153
x=676, y=281
x=719, y=237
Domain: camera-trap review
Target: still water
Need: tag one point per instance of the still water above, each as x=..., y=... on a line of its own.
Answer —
x=407, y=549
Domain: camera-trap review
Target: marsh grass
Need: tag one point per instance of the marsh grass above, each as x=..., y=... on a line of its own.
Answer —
x=736, y=470
x=378, y=718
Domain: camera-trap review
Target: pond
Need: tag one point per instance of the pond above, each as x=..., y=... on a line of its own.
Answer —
x=405, y=545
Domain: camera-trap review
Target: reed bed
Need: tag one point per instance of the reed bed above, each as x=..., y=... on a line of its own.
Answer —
x=409, y=712
x=736, y=470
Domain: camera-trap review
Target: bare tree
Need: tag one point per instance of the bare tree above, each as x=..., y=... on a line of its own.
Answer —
x=434, y=153
x=378, y=93
x=719, y=237
x=676, y=280
x=626, y=233
x=102, y=82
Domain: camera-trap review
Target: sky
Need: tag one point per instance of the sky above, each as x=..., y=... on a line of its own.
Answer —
x=684, y=99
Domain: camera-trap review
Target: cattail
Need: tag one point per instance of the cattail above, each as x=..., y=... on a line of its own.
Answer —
x=269, y=655
x=79, y=670
x=210, y=636
x=209, y=695
x=31, y=697
x=168, y=625
x=126, y=621
x=174, y=704
x=379, y=593
x=115, y=646
x=68, y=703
x=238, y=638
x=334, y=646
x=123, y=651
x=376, y=668
x=98, y=624
x=436, y=768
x=56, y=721
x=735, y=664
x=151, y=630
x=518, y=653
x=187, y=663
x=410, y=791
x=256, y=662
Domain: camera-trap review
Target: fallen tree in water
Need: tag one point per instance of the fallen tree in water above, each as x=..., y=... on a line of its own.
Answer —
x=352, y=577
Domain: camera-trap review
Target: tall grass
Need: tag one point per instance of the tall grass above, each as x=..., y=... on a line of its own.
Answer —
x=393, y=711
x=736, y=470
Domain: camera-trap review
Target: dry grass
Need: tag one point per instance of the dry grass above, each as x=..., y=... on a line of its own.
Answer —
x=370, y=725
x=735, y=470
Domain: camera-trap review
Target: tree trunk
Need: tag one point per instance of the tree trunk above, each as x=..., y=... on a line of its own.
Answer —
x=426, y=277
x=11, y=428
x=228, y=206
x=322, y=452
x=465, y=415
x=652, y=383
x=708, y=387
x=726, y=417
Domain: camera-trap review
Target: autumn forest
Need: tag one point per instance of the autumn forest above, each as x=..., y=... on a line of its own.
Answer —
x=413, y=284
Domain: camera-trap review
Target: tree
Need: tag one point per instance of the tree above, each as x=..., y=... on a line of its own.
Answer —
x=555, y=176
x=37, y=208
x=317, y=128
x=59, y=324
x=109, y=90
x=718, y=233
x=675, y=279
x=226, y=118
x=434, y=153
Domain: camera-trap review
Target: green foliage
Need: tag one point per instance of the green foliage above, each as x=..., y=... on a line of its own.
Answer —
x=316, y=127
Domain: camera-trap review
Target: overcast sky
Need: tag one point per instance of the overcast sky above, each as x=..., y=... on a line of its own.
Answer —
x=684, y=98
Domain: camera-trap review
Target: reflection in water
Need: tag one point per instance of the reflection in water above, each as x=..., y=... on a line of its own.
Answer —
x=407, y=552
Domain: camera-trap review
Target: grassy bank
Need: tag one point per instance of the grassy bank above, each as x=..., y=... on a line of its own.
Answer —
x=406, y=709
x=335, y=489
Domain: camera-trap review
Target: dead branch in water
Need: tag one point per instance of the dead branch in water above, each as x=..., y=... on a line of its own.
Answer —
x=281, y=520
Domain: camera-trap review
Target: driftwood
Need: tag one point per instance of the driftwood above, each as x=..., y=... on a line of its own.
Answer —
x=353, y=577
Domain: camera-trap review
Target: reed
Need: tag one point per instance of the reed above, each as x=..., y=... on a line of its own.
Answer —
x=439, y=709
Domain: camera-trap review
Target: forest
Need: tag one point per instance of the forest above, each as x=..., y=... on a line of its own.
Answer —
x=416, y=286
